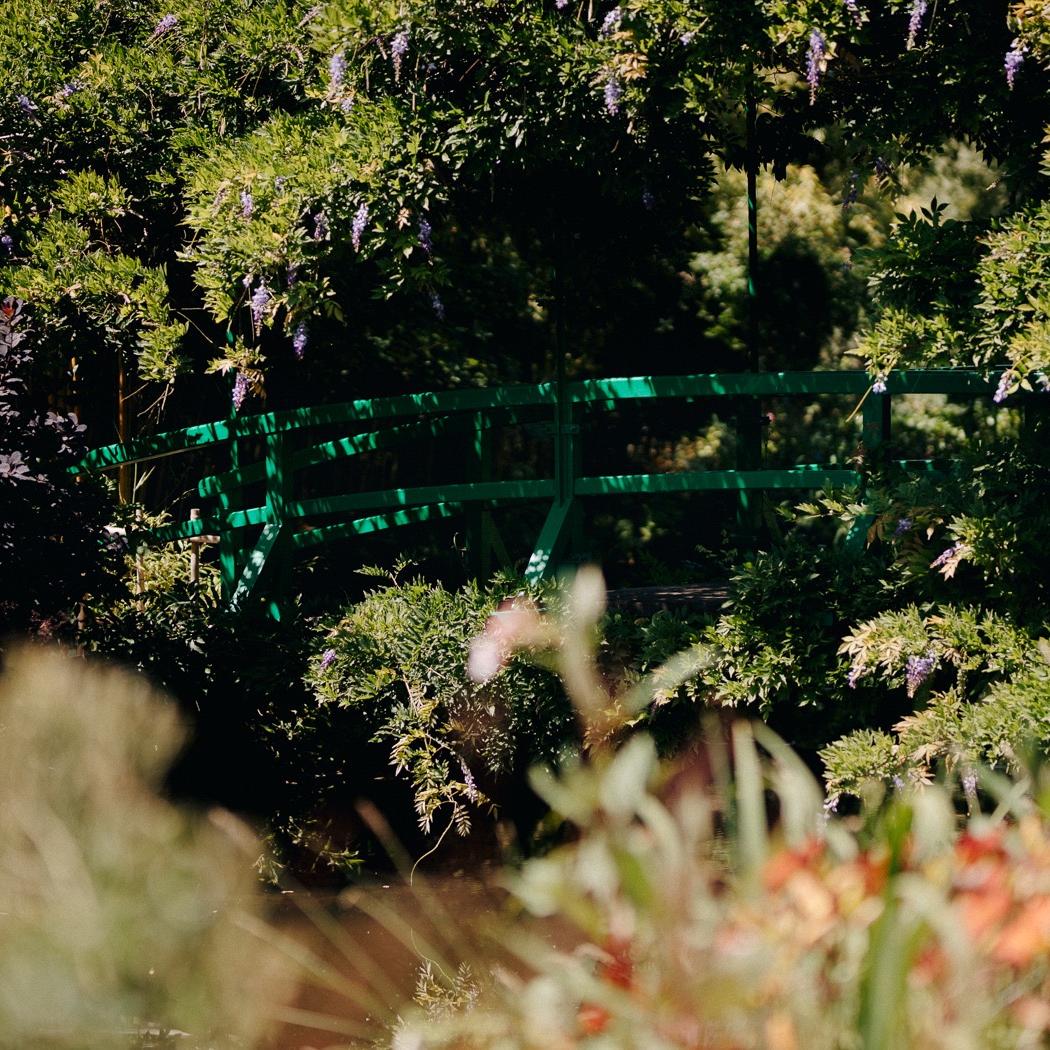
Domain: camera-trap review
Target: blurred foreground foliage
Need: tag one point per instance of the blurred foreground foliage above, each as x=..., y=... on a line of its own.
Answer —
x=125, y=921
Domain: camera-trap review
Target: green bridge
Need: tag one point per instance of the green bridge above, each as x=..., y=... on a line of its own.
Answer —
x=256, y=542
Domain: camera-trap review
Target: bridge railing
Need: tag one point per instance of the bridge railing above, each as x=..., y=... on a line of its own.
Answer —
x=287, y=522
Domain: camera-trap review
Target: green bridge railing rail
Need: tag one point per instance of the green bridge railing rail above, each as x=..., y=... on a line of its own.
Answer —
x=284, y=523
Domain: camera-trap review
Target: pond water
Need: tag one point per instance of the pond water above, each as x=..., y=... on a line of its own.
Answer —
x=362, y=950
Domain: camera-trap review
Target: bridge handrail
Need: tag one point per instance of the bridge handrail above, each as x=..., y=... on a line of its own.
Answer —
x=476, y=412
x=585, y=391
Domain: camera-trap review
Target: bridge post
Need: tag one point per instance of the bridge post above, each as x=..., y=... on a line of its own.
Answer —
x=875, y=415
x=748, y=457
x=480, y=526
x=875, y=432
x=229, y=545
x=278, y=491
x=561, y=522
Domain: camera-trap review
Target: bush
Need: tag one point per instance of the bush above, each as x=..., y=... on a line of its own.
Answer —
x=900, y=930
x=52, y=551
x=398, y=662
x=125, y=919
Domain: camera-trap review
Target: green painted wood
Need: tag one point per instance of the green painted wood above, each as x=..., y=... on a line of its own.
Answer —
x=926, y=381
x=875, y=416
x=257, y=559
x=230, y=553
x=356, y=444
x=167, y=444
x=374, y=523
x=185, y=530
x=494, y=491
x=718, y=480
x=544, y=558
x=436, y=415
x=769, y=384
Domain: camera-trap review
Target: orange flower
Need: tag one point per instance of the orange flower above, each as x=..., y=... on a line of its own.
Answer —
x=783, y=865
x=983, y=911
x=593, y=1020
x=1027, y=936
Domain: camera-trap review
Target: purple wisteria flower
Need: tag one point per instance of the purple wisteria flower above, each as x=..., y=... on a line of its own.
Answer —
x=240, y=390
x=437, y=305
x=1040, y=377
x=26, y=104
x=7, y=243
x=560, y=4
x=347, y=104
x=814, y=59
x=613, y=95
x=688, y=37
x=969, y=784
x=611, y=22
x=854, y=10
x=280, y=182
x=1013, y=62
x=898, y=783
x=320, y=226
x=918, y=13
x=70, y=89
x=903, y=526
x=425, y=242
x=291, y=275
x=855, y=675
x=336, y=72
x=165, y=25
x=945, y=556
x=398, y=50
x=359, y=224
x=918, y=669
x=469, y=782
x=247, y=204
x=327, y=659
x=882, y=166
x=1003, y=389
x=260, y=302
x=300, y=338
x=648, y=200
x=879, y=386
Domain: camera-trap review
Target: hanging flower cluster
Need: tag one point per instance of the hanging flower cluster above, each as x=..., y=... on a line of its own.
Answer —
x=240, y=390
x=613, y=94
x=815, y=58
x=398, y=50
x=611, y=22
x=918, y=13
x=260, y=302
x=358, y=227
x=336, y=72
x=300, y=338
x=165, y=26
x=1013, y=62
x=919, y=668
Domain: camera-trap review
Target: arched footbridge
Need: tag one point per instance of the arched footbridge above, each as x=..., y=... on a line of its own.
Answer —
x=262, y=513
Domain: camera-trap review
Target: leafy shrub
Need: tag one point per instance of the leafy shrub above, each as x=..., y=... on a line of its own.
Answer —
x=52, y=551
x=398, y=661
x=776, y=646
x=994, y=712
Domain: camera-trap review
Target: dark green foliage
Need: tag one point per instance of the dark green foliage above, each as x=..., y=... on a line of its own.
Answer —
x=54, y=550
x=397, y=661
